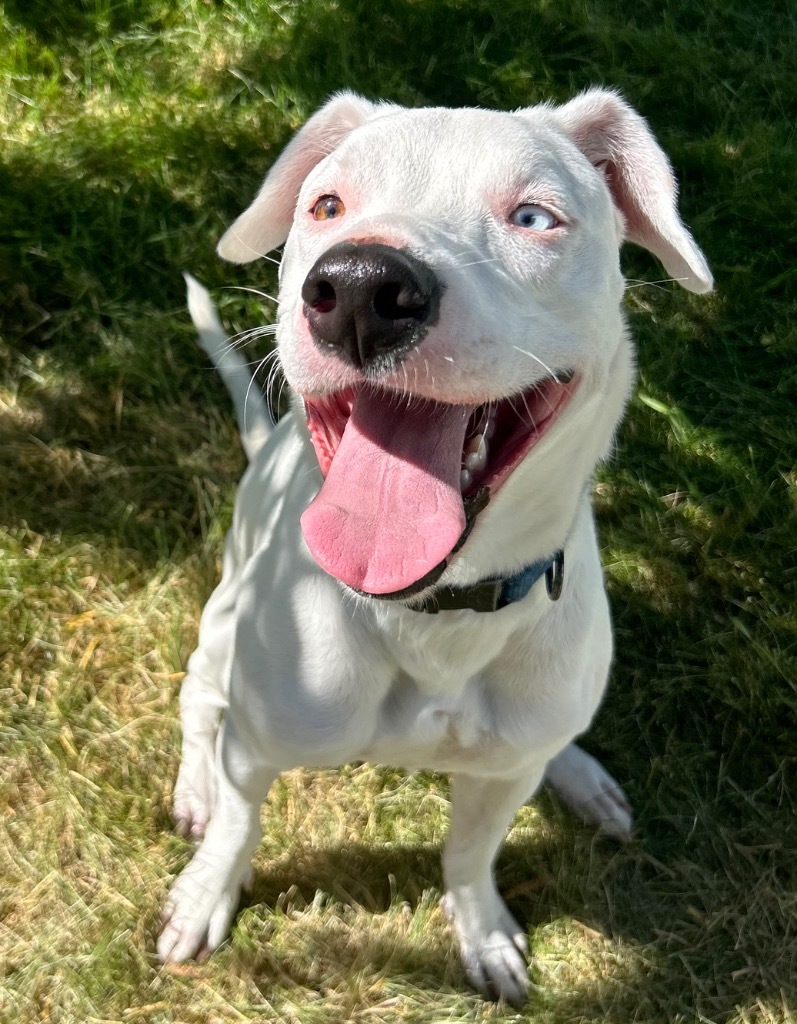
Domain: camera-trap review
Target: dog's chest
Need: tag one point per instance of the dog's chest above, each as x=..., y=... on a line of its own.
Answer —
x=448, y=706
x=438, y=730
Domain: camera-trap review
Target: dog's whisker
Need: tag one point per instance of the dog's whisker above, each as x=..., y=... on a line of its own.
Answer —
x=405, y=385
x=252, y=383
x=259, y=363
x=537, y=359
x=266, y=328
x=242, y=343
x=239, y=349
x=252, y=291
x=282, y=387
x=251, y=336
x=631, y=284
x=270, y=363
x=540, y=391
x=255, y=252
x=273, y=374
x=476, y=263
x=261, y=331
x=539, y=313
x=219, y=354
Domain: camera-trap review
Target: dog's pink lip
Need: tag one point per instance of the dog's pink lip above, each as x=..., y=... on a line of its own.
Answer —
x=519, y=423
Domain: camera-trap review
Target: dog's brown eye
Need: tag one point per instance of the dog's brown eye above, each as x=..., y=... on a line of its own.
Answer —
x=533, y=218
x=328, y=207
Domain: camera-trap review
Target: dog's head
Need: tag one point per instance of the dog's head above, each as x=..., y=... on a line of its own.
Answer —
x=449, y=315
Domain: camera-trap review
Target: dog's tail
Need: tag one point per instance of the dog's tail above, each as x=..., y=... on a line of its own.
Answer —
x=251, y=410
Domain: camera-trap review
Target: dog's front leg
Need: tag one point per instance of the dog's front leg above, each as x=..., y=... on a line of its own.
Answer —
x=201, y=709
x=203, y=699
x=202, y=903
x=492, y=944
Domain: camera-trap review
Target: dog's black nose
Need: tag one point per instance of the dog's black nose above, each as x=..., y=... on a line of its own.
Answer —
x=370, y=303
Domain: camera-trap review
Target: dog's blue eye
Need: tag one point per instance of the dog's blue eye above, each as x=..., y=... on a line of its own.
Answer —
x=328, y=207
x=533, y=218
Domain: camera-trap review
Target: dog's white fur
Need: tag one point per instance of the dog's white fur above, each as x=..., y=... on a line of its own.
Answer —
x=292, y=668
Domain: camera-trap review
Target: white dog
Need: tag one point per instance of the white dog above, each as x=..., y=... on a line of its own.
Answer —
x=412, y=576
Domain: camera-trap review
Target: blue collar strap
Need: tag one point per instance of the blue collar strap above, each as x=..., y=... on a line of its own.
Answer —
x=491, y=595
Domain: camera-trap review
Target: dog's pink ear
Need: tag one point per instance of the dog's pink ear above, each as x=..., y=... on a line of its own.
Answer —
x=266, y=223
x=617, y=141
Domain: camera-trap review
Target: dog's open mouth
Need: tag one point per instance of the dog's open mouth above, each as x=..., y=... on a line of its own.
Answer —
x=400, y=473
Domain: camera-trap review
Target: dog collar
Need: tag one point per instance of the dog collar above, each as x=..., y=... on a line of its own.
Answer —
x=491, y=595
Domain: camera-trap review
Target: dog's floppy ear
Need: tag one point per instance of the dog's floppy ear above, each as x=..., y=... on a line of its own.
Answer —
x=616, y=140
x=266, y=223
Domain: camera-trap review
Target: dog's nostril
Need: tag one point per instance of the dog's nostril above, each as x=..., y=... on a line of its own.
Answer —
x=392, y=302
x=324, y=299
x=370, y=302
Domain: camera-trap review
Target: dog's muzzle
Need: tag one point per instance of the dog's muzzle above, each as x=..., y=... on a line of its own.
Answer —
x=370, y=303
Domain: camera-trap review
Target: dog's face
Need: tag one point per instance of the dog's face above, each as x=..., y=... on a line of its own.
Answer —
x=508, y=218
x=449, y=314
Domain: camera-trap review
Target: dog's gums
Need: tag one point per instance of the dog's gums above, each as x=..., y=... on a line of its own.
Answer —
x=383, y=454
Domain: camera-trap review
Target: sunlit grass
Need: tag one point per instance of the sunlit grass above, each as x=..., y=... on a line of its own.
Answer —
x=132, y=132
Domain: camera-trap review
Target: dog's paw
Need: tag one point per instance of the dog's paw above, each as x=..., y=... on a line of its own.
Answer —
x=198, y=913
x=492, y=945
x=591, y=792
x=610, y=812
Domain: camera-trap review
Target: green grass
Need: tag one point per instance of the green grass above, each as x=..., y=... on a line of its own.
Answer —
x=133, y=132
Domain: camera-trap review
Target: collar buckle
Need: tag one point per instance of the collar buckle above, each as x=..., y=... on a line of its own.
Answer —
x=555, y=576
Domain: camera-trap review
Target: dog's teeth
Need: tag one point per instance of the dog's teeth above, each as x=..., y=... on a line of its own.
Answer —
x=490, y=429
x=476, y=454
x=476, y=461
x=465, y=479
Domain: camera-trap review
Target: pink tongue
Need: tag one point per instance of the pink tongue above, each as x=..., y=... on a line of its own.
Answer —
x=390, y=509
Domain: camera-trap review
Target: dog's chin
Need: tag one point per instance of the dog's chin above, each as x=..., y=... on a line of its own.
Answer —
x=415, y=594
x=438, y=461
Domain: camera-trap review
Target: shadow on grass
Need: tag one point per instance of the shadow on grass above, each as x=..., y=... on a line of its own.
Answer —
x=515, y=53
x=646, y=940
x=356, y=878
x=74, y=22
x=116, y=413
x=373, y=877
